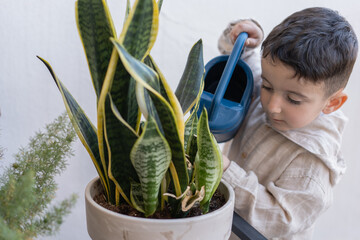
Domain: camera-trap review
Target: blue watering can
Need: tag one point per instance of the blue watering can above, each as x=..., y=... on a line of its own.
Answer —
x=227, y=92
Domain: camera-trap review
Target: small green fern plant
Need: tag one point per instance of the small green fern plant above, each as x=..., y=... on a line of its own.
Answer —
x=28, y=186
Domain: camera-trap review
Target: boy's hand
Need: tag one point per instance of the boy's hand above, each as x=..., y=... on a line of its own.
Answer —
x=255, y=33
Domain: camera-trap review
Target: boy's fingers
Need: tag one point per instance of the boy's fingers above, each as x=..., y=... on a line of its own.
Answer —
x=252, y=42
x=233, y=36
x=255, y=33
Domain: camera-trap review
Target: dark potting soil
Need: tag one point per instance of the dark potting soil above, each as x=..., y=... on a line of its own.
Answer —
x=217, y=201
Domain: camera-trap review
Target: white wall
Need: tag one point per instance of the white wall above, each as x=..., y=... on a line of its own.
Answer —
x=29, y=99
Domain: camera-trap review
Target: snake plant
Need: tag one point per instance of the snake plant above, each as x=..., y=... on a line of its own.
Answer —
x=142, y=148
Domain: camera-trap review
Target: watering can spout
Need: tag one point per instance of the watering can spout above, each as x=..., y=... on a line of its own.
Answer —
x=227, y=92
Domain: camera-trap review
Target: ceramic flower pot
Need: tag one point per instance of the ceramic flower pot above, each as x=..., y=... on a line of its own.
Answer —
x=103, y=224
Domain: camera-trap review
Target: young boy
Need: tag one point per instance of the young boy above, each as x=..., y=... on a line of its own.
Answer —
x=285, y=159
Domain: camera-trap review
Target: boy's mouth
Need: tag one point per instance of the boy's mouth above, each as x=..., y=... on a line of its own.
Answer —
x=277, y=120
x=273, y=119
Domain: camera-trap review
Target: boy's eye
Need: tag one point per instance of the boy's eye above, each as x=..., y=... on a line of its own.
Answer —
x=266, y=87
x=292, y=101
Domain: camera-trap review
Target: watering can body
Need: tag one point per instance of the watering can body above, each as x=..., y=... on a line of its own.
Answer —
x=227, y=92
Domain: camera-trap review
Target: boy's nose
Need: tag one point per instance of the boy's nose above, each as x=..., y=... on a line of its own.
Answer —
x=274, y=105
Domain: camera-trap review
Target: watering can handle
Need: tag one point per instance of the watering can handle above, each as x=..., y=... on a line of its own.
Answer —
x=227, y=73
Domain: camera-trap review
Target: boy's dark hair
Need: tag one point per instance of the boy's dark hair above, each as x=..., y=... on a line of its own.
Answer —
x=318, y=43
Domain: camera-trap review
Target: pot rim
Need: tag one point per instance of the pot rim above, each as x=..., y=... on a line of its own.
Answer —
x=229, y=204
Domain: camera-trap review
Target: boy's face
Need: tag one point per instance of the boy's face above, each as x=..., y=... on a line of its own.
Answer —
x=289, y=102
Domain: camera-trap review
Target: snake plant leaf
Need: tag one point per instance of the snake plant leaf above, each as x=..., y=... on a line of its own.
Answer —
x=191, y=80
x=163, y=189
x=140, y=29
x=190, y=128
x=136, y=196
x=138, y=35
x=143, y=74
x=128, y=8
x=120, y=138
x=159, y=3
x=191, y=146
x=151, y=157
x=143, y=98
x=146, y=105
x=168, y=94
x=208, y=161
x=95, y=27
x=149, y=61
x=83, y=126
x=144, y=101
x=190, y=142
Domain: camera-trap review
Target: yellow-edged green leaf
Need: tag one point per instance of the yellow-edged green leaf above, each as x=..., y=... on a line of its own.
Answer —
x=191, y=137
x=136, y=196
x=191, y=80
x=83, y=126
x=149, y=61
x=169, y=95
x=163, y=189
x=159, y=3
x=144, y=100
x=145, y=104
x=142, y=74
x=138, y=35
x=95, y=28
x=140, y=29
x=190, y=128
x=128, y=8
x=151, y=156
x=208, y=161
x=120, y=138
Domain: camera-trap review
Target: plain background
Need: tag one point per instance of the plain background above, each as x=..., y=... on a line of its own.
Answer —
x=29, y=98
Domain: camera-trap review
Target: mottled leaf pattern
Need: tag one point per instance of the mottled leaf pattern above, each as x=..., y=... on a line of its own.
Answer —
x=208, y=162
x=116, y=131
x=143, y=74
x=190, y=82
x=83, y=126
x=95, y=28
x=143, y=17
x=151, y=156
x=136, y=197
x=138, y=37
x=168, y=94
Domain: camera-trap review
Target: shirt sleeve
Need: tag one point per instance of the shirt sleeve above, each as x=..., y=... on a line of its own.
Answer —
x=250, y=55
x=286, y=206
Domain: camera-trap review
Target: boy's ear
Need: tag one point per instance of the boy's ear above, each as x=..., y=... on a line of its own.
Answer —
x=335, y=102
